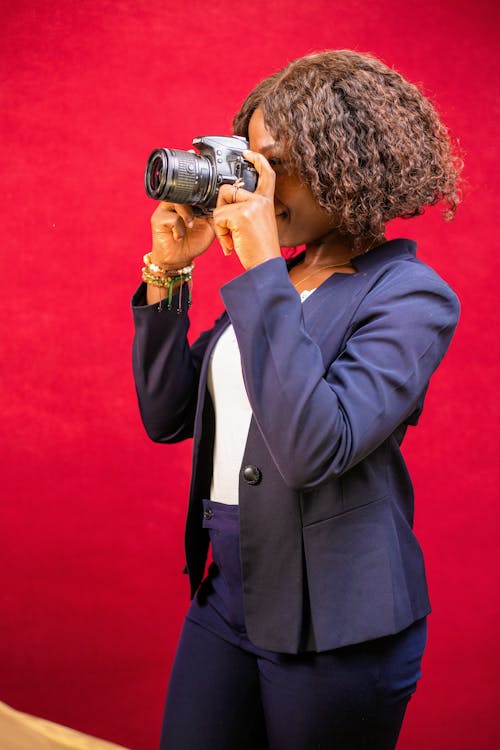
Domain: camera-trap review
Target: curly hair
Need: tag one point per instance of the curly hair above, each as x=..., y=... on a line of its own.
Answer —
x=368, y=143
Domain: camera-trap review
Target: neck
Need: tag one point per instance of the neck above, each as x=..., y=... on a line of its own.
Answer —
x=336, y=248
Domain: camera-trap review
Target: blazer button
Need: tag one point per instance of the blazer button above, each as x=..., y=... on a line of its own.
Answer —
x=208, y=514
x=252, y=474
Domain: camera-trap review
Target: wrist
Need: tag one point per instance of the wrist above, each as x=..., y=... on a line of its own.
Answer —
x=167, y=281
x=167, y=264
x=162, y=271
x=254, y=262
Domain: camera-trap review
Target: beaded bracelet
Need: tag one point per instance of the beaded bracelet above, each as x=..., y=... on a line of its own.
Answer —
x=153, y=269
x=159, y=277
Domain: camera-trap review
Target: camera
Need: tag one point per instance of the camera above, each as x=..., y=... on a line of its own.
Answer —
x=195, y=179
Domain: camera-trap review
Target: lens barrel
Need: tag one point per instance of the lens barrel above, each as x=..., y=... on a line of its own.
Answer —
x=178, y=176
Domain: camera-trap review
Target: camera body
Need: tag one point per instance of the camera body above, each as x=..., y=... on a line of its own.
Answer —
x=184, y=177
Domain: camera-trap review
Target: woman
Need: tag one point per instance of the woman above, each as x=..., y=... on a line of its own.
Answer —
x=308, y=630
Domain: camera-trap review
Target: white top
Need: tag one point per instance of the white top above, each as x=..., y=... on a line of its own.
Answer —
x=232, y=415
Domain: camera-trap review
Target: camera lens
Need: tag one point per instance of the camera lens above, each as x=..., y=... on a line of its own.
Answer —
x=156, y=171
x=179, y=176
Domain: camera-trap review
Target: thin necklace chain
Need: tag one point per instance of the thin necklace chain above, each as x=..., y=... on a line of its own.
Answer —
x=322, y=268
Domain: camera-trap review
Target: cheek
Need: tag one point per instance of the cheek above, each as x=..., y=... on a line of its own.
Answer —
x=294, y=197
x=302, y=210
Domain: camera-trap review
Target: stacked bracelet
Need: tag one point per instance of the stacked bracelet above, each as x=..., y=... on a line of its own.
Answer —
x=167, y=278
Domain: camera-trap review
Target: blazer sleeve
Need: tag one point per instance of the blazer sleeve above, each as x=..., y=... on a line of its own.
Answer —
x=166, y=368
x=318, y=423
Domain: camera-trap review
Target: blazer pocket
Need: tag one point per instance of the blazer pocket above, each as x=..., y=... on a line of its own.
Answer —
x=352, y=572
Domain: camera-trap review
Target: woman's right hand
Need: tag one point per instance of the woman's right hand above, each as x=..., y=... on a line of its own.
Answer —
x=178, y=235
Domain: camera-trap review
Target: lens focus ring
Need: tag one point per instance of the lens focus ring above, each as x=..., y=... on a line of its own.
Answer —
x=185, y=177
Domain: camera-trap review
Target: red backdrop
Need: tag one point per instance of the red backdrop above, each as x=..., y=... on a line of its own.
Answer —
x=92, y=512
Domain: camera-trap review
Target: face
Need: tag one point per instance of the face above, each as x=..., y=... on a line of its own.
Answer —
x=300, y=220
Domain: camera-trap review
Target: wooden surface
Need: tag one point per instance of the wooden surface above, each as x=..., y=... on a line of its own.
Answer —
x=19, y=731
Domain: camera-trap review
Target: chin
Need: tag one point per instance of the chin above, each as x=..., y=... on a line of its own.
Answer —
x=288, y=240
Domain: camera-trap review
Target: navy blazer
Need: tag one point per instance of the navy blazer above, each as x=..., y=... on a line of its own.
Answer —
x=328, y=554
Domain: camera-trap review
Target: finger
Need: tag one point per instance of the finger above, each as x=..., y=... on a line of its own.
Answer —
x=225, y=241
x=267, y=176
x=232, y=194
x=177, y=209
x=169, y=221
x=186, y=212
x=222, y=231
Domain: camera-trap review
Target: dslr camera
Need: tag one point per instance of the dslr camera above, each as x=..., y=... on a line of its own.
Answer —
x=195, y=179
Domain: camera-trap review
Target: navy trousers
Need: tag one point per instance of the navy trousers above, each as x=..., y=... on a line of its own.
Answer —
x=226, y=694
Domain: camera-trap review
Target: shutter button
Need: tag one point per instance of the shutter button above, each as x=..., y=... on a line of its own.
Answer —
x=252, y=474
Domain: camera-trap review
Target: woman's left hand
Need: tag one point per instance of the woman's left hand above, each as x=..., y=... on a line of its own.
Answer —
x=245, y=221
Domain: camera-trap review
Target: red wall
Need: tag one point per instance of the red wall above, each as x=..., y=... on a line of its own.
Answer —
x=92, y=513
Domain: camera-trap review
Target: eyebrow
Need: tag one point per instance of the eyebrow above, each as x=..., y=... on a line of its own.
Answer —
x=271, y=146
